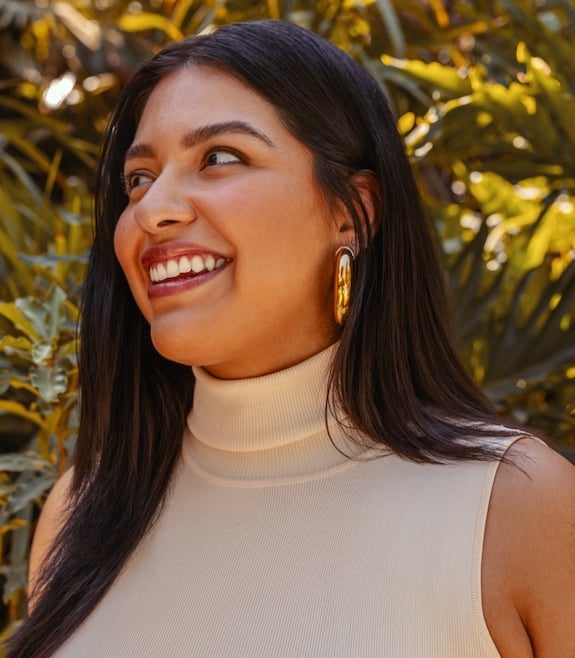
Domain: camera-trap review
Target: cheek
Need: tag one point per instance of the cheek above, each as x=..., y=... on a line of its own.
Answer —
x=121, y=240
x=126, y=250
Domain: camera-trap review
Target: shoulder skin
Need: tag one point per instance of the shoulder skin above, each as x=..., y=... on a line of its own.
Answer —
x=528, y=572
x=50, y=521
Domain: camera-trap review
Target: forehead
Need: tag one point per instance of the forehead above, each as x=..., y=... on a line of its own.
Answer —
x=200, y=94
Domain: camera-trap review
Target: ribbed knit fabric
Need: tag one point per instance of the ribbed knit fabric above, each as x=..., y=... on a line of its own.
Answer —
x=273, y=544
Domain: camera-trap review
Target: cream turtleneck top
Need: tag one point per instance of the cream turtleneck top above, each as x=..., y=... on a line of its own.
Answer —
x=273, y=544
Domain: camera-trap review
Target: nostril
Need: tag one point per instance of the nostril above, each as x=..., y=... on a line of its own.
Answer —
x=153, y=216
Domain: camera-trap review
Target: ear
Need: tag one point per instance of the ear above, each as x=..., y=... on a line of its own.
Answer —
x=367, y=189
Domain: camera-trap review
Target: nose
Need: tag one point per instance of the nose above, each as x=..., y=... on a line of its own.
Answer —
x=165, y=203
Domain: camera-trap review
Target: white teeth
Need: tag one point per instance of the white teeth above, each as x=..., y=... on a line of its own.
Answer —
x=198, y=264
x=161, y=272
x=185, y=265
x=173, y=268
x=210, y=262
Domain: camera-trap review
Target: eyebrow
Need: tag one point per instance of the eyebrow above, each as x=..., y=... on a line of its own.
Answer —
x=202, y=134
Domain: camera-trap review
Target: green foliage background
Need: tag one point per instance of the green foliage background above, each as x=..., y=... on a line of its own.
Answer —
x=484, y=96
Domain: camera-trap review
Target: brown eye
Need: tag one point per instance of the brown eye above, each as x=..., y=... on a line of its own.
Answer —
x=136, y=179
x=221, y=157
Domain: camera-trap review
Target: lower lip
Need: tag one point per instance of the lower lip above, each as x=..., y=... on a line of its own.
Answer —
x=176, y=286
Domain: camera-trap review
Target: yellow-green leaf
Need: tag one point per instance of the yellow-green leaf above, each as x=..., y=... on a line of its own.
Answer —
x=19, y=320
x=146, y=21
x=20, y=410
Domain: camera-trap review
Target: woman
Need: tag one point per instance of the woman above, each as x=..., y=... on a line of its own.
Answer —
x=339, y=487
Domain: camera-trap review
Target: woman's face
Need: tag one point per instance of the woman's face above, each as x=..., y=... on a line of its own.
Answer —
x=227, y=242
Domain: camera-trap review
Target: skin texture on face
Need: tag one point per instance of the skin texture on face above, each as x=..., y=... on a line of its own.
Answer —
x=217, y=184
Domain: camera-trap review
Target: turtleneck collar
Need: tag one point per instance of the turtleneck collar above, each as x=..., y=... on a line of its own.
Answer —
x=268, y=429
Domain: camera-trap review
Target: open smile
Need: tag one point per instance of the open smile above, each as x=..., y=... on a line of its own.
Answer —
x=185, y=267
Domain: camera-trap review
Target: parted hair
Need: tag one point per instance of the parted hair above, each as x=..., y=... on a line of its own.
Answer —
x=395, y=370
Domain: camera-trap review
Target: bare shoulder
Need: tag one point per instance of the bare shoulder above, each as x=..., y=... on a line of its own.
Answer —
x=49, y=523
x=528, y=571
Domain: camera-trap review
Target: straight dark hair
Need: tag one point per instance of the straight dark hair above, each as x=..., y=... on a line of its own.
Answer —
x=395, y=370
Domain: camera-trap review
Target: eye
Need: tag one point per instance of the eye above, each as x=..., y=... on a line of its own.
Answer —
x=135, y=179
x=220, y=157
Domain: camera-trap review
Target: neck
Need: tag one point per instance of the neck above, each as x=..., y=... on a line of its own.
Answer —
x=272, y=428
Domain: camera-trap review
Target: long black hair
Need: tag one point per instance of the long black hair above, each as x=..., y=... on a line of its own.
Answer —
x=395, y=371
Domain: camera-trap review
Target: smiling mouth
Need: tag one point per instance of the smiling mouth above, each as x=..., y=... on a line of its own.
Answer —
x=185, y=267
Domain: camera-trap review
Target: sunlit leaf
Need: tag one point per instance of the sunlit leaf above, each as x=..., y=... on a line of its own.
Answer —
x=19, y=319
x=432, y=75
x=146, y=21
x=20, y=410
x=51, y=382
x=23, y=345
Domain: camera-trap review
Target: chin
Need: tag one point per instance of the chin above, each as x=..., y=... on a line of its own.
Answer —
x=186, y=351
x=179, y=351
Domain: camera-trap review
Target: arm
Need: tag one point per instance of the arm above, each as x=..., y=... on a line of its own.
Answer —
x=529, y=555
x=49, y=523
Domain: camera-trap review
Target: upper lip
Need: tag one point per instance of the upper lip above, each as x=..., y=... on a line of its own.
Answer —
x=173, y=250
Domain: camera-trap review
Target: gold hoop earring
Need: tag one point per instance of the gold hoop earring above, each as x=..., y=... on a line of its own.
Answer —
x=342, y=283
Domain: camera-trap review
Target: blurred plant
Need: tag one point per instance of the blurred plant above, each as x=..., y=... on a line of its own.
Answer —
x=43, y=249
x=495, y=149
x=38, y=405
x=38, y=372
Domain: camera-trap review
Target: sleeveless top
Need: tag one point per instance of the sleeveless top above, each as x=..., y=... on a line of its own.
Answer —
x=274, y=544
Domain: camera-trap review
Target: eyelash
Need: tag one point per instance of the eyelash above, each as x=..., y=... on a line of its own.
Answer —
x=127, y=180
